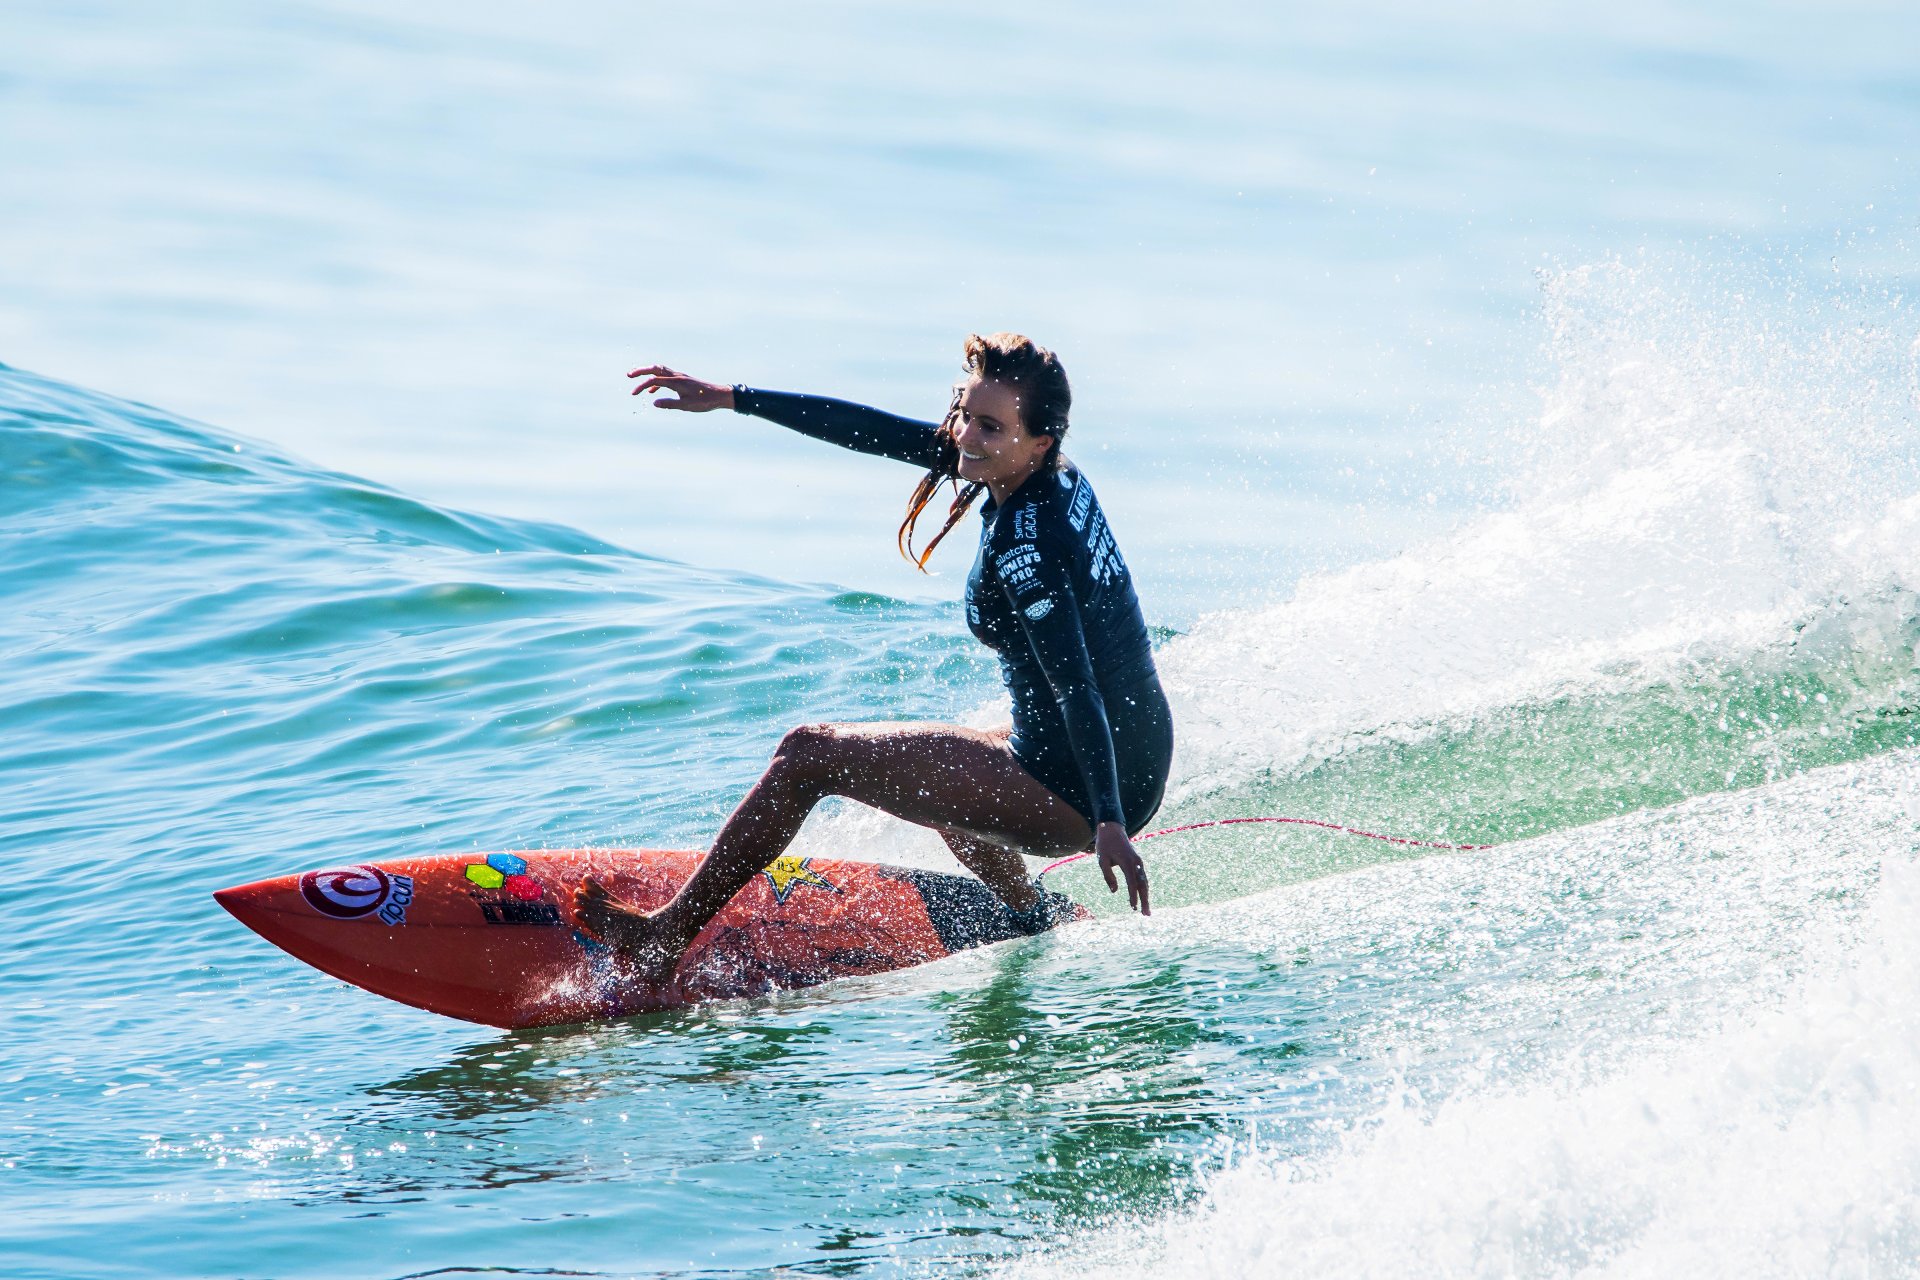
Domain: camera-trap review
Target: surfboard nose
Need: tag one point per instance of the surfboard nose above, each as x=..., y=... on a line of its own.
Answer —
x=238, y=899
x=437, y=932
x=246, y=902
x=270, y=909
x=258, y=902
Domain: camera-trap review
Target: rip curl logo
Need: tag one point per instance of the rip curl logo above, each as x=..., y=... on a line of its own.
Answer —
x=348, y=893
x=1040, y=608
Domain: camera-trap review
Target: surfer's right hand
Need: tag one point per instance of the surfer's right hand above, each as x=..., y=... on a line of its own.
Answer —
x=1114, y=851
x=694, y=395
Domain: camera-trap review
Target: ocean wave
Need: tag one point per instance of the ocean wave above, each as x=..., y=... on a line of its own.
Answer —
x=1701, y=1058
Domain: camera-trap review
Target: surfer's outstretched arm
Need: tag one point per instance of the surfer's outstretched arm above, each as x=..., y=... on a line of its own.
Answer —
x=851, y=426
x=842, y=422
x=955, y=779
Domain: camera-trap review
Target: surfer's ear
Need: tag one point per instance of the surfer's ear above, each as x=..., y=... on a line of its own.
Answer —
x=1045, y=449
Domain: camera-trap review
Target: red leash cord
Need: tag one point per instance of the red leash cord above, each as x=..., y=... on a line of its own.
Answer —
x=1298, y=822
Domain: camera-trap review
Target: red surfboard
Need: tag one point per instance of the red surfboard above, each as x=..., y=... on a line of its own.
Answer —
x=492, y=938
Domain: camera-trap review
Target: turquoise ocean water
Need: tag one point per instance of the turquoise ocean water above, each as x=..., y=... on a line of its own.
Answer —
x=1512, y=423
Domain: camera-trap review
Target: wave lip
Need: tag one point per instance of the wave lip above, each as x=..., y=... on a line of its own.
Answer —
x=1698, y=487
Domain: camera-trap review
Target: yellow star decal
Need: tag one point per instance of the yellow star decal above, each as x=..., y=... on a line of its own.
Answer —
x=788, y=871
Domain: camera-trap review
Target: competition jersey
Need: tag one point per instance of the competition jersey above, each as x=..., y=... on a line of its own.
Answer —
x=1048, y=590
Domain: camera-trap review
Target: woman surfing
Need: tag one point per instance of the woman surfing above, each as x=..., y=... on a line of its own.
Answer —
x=1086, y=757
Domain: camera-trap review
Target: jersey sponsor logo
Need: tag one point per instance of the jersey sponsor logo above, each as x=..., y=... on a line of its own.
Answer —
x=1082, y=503
x=1098, y=534
x=348, y=893
x=1019, y=568
x=1026, y=523
x=1103, y=552
x=1040, y=608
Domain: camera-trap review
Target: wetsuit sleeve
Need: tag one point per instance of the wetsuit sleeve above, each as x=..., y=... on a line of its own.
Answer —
x=841, y=422
x=1034, y=576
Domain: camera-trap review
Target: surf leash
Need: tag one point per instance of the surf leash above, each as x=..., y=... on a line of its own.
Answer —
x=1297, y=822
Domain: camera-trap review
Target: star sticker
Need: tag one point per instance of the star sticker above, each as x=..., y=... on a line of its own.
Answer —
x=788, y=871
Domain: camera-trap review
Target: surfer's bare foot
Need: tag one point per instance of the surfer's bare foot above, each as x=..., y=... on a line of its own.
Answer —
x=638, y=937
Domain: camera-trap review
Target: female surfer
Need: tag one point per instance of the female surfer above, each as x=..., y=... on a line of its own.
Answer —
x=1086, y=757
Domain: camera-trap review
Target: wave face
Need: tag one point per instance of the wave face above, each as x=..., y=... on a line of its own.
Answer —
x=1670, y=1043
x=1670, y=671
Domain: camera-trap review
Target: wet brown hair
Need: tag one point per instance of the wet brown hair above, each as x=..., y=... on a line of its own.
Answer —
x=1037, y=379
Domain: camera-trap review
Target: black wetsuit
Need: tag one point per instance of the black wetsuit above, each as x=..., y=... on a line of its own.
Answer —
x=1050, y=594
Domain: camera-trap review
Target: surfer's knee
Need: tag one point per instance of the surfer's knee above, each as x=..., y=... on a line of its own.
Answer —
x=807, y=742
x=806, y=753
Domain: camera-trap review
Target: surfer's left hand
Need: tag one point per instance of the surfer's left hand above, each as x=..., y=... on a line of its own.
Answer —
x=1114, y=850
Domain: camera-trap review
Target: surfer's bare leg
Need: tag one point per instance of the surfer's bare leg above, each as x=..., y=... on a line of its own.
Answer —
x=954, y=779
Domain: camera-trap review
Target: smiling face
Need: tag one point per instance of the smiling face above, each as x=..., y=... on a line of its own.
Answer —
x=995, y=448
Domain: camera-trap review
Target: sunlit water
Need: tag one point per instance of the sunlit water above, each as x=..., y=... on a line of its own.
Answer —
x=1622, y=577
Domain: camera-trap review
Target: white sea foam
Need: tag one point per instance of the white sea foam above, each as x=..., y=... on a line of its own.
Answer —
x=1692, y=491
x=1786, y=1143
